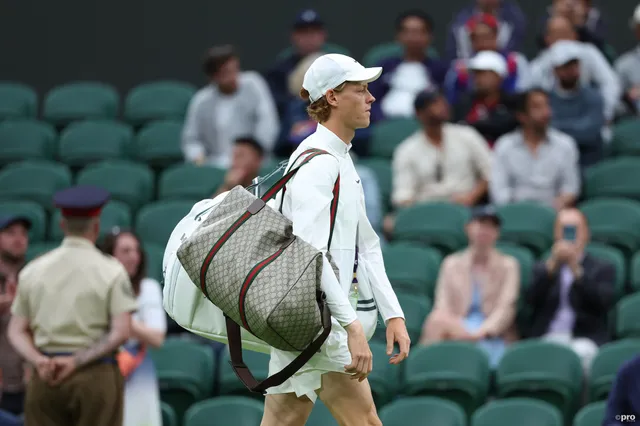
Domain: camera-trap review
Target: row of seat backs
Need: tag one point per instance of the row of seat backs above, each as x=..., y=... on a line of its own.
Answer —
x=456, y=371
x=163, y=99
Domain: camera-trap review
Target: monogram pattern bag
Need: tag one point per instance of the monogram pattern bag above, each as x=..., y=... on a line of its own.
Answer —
x=246, y=261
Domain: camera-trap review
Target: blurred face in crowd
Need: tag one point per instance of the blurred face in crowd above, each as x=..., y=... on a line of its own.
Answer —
x=227, y=76
x=437, y=112
x=538, y=112
x=352, y=105
x=308, y=40
x=14, y=241
x=572, y=217
x=483, y=233
x=636, y=30
x=568, y=75
x=486, y=82
x=483, y=37
x=414, y=34
x=127, y=251
x=559, y=28
x=246, y=158
x=488, y=5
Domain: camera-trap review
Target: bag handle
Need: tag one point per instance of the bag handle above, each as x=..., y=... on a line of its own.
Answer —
x=244, y=374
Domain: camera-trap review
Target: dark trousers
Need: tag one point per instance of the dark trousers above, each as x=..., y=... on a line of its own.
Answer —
x=92, y=396
x=13, y=402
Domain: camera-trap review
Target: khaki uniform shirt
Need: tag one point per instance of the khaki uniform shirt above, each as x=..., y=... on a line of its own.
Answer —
x=70, y=294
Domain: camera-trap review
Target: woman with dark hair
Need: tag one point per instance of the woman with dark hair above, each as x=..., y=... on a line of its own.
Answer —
x=148, y=326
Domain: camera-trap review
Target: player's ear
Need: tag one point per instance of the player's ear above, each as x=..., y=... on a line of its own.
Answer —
x=332, y=97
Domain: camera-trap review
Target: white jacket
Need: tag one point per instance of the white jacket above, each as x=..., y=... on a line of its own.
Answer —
x=307, y=201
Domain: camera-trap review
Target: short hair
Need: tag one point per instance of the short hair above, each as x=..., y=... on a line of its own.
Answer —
x=250, y=141
x=216, y=57
x=414, y=13
x=78, y=225
x=521, y=104
x=319, y=110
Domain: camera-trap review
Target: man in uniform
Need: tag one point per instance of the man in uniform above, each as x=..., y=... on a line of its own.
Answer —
x=71, y=313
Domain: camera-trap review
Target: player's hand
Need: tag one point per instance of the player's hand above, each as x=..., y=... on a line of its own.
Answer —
x=64, y=367
x=44, y=368
x=397, y=332
x=361, y=356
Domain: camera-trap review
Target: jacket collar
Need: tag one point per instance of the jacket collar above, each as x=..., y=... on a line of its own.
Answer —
x=328, y=140
x=77, y=242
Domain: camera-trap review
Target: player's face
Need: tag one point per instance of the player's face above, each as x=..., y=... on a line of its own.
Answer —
x=354, y=105
x=127, y=251
x=14, y=241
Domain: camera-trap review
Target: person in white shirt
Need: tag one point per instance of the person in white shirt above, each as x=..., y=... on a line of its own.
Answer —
x=336, y=87
x=235, y=104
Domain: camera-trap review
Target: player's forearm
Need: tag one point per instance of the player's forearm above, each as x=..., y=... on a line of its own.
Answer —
x=107, y=345
x=22, y=342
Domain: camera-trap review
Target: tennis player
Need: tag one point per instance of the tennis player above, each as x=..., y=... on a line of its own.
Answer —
x=336, y=87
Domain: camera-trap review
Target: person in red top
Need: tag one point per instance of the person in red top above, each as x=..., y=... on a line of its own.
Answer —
x=489, y=109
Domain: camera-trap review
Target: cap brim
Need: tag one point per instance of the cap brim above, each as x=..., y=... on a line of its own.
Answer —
x=366, y=75
x=25, y=221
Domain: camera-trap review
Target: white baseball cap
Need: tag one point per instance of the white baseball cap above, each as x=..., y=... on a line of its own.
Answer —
x=331, y=70
x=488, y=60
x=564, y=51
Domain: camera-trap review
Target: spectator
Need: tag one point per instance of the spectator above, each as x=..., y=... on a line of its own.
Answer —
x=511, y=27
x=14, y=241
x=624, y=396
x=594, y=68
x=477, y=291
x=488, y=108
x=572, y=292
x=148, y=329
x=308, y=37
x=577, y=109
x=441, y=161
x=585, y=17
x=535, y=162
x=246, y=161
x=234, y=104
x=627, y=67
x=484, y=36
x=404, y=77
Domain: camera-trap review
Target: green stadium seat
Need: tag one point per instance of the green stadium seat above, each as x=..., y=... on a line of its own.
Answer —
x=591, y=414
x=154, y=254
x=381, y=168
x=39, y=248
x=17, y=100
x=528, y=224
x=26, y=140
x=628, y=316
x=456, y=371
x=541, y=370
x=155, y=222
x=517, y=411
x=616, y=258
x=115, y=214
x=388, y=134
x=225, y=411
x=384, y=378
x=327, y=48
x=35, y=212
x=437, y=224
x=158, y=100
x=613, y=177
x=384, y=51
x=185, y=373
x=425, y=410
x=412, y=268
x=623, y=232
x=34, y=181
x=229, y=384
x=79, y=101
x=634, y=272
x=129, y=182
x=169, y=417
x=626, y=138
x=321, y=416
x=88, y=141
x=605, y=366
x=158, y=143
x=188, y=181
